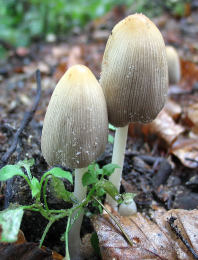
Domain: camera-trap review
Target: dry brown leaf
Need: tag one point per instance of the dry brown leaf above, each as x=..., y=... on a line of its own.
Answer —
x=186, y=150
x=166, y=128
x=22, y=249
x=76, y=56
x=22, y=51
x=173, y=109
x=189, y=73
x=150, y=240
x=192, y=117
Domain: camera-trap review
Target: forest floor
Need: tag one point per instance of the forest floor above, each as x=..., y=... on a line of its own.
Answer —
x=161, y=158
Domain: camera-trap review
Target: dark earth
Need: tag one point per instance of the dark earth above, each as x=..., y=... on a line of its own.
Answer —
x=158, y=178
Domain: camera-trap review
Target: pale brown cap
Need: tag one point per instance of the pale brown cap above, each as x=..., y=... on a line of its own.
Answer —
x=134, y=71
x=174, y=71
x=75, y=127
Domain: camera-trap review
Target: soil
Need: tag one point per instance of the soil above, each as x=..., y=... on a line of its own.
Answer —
x=174, y=187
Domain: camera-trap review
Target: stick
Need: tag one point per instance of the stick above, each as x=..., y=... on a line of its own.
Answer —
x=175, y=229
x=27, y=118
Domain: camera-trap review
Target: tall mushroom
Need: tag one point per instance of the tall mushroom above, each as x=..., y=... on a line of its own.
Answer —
x=75, y=131
x=174, y=70
x=134, y=78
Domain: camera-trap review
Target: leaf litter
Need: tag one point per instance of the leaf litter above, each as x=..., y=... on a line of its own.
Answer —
x=172, y=136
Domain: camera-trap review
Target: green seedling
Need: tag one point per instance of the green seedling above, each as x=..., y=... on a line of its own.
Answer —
x=94, y=179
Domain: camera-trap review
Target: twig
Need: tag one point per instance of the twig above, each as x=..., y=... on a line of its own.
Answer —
x=175, y=229
x=27, y=118
x=191, y=160
x=117, y=222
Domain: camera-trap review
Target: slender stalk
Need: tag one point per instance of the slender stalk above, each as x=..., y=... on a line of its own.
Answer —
x=117, y=222
x=118, y=158
x=74, y=233
x=45, y=231
x=44, y=193
x=67, y=256
x=28, y=173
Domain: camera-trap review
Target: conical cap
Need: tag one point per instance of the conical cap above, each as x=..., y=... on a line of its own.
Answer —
x=134, y=73
x=75, y=126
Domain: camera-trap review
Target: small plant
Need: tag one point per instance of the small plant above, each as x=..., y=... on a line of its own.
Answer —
x=94, y=179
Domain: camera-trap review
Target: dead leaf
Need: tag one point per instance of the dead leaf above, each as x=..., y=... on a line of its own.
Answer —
x=166, y=129
x=75, y=56
x=21, y=238
x=150, y=240
x=173, y=109
x=189, y=73
x=24, y=251
x=22, y=51
x=192, y=117
x=21, y=249
x=186, y=150
x=100, y=35
x=60, y=51
x=60, y=70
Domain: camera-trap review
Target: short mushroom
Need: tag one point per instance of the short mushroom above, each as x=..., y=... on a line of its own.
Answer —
x=174, y=71
x=134, y=79
x=75, y=131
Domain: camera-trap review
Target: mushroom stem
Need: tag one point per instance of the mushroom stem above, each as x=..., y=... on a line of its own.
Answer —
x=74, y=234
x=118, y=158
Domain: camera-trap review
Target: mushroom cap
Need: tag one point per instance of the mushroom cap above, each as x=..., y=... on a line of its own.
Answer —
x=134, y=73
x=174, y=71
x=75, y=128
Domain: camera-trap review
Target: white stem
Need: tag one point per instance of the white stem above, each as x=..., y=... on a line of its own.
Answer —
x=118, y=158
x=74, y=234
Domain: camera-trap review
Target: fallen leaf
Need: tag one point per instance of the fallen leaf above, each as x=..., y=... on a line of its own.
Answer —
x=151, y=240
x=100, y=35
x=173, y=109
x=22, y=51
x=186, y=150
x=192, y=117
x=27, y=251
x=75, y=56
x=166, y=129
x=189, y=73
x=21, y=249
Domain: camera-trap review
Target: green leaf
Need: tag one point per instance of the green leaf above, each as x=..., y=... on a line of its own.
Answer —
x=100, y=191
x=9, y=171
x=111, y=190
x=111, y=127
x=109, y=168
x=59, y=173
x=35, y=187
x=110, y=139
x=128, y=197
x=89, y=178
x=10, y=221
x=58, y=188
x=26, y=163
x=94, y=169
x=95, y=243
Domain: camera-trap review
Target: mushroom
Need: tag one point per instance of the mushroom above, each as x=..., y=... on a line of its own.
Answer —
x=174, y=71
x=134, y=79
x=75, y=131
